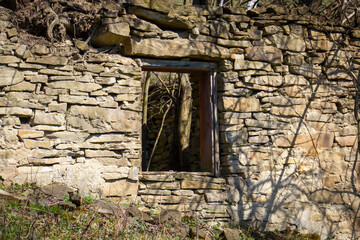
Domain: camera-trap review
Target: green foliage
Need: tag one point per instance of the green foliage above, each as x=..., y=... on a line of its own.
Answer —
x=89, y=199
x=32, y=220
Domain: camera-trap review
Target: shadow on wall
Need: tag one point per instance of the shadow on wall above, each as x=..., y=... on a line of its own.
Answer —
x=301, y=181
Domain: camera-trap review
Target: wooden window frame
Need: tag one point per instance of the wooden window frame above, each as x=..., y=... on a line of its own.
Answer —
x=209, y=124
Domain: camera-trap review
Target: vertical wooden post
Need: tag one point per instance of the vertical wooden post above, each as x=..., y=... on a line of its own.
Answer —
x=206, y=152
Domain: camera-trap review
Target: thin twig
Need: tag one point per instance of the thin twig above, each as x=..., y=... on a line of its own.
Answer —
x=158, y=136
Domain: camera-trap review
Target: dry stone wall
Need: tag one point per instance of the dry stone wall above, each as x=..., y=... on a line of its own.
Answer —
x=288, y=136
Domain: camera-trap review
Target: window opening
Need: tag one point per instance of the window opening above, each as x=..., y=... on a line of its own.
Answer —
x=179, y=128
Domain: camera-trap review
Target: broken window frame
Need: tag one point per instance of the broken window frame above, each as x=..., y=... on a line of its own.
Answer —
x=209, y=124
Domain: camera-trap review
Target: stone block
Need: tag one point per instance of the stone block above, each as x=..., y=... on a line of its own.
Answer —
x=48, y=60
x=17, y=111
x=21, y=87
x=241, y=64
x=51, y=161
x=318, y=116
x=274, y=81
x=239, y=104
x=41, y=117
x=111, y=34
x=265, y=124
x=290, y=43
x=321, y=140
x=175, y=48
x=306, y=70
x=29, y=133
x=272, y=29
x=37, y=78
x=199, y=184
x=295, y=80
x=291, y=111
x=100, y=153
x=157, y=178
x=10, y=76
x=212, y=196
x=233, y=43
x=237, y=138
x=337, y=74
x=30, y=144
x=95, y=68
x=163, y=185
x=264, y=53
x=9, y=59
x=101, y=120
x=347, y=141
x=120, y=188
x=80, y=86
x=80, y=100
x=320, y=45
x=259, y=139
x=159, y=192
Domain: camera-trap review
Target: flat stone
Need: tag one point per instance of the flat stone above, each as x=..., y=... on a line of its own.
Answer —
x=51, y=161
x=174, y=48
x=237, y=138
x=21, y=87
x=264, y=124
x=157, y=178
x=272, y=29
x=29, y=133
x=239, y=104
x=10, y=76
x=233, y=43
x=9, y=59
x=274, y=81
x=290, y=43
x=337, y=74
x=18, y=111
x=120, y=188
x=111, y=34
x=80, y=86
x=163, y=199
x=346, y=141
x=41, y=117
x=295, y=80
x=48, y=60
x=241, y=64
x=50, y=72
x=59, y=191
x=259, y=139
x=40, y=49
x=163, y=185
x=264, y=53
x=215, y=196
x=155, y=192
x=81, y=45
x=306, y=70
x=321, y=45
x=20, y=51
x=9, y=197
x=100, y=153
x=37, y=78
x=95, y=68
x=30, y=144
x=291, y=111
x=196, y=184
x=81, y=100
x=283, y=101
x=97, y=120
x=135, y=212
x=322, y=140
x=294, y=60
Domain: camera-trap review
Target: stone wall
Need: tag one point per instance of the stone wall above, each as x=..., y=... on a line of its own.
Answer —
x=288, y=135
